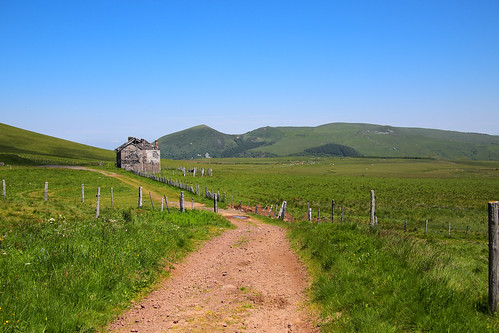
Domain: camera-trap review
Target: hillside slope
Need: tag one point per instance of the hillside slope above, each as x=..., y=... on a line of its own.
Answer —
x=363, y=139
x=17, y=143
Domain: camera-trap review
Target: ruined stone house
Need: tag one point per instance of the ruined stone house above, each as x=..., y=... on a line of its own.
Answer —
x=138, y=155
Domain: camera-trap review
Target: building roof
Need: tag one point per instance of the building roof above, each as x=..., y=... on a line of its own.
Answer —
x=139, y=143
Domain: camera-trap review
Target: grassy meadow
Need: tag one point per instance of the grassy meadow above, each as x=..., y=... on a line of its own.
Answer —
x=66, y=271
x=381, y=279
x=71, y=272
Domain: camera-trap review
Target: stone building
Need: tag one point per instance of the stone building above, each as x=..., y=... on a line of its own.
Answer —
x=138, y=155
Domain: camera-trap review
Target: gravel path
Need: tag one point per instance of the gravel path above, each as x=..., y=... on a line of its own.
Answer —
x=245, y=280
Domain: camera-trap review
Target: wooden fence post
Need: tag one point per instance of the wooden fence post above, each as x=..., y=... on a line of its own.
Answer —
x=215, y=203
x=426, y=227
x=332, y=210
x=82, y=192
x=309, y=214
x=162, y=203
x=493, y=255
x=166, y=203
x=449, y=229
x=112, y=198
x=3, y=188
x=140, y=196
x=373, y=208
x=45, y=191
x=152, y=203
x=282, y=213
x=182, y=208
x=97, y=204
x=256, y=209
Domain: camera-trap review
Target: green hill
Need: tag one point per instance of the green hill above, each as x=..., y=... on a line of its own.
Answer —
x=18, y=146
x=335, y=139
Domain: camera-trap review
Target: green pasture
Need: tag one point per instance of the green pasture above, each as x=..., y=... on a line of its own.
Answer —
x=442, y=192
x=18, y=146
x=66, y=271
x=379, y=279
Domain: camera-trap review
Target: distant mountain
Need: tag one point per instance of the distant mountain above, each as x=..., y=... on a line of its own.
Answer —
x=19, y=146
x=335, y=139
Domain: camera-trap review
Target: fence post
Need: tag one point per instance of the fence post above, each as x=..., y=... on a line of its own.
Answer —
x=449, y=229
x=82, y=192
x=45, y=191
x=373, y=208
x=309, y=214
x=426, y=227
x=493, y=255
x=182, y=208
x=140, y=196
x=162, y=203
x=3, y=188
x=166, y=203
x=282, y=213
x=112, y=198
x=192, y=203
x=97, y=205
x=256, y=209
x=215, y=203
x=332, y=210
x=152, y=203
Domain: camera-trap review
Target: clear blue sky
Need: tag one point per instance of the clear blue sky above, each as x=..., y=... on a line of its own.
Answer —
x=97, y=72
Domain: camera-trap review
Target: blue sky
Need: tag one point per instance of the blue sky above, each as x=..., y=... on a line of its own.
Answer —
x=97, y=72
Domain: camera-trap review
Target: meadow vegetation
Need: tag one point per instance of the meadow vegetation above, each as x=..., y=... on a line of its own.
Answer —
x=66, y=271
x=70, y=272
x=381, y=279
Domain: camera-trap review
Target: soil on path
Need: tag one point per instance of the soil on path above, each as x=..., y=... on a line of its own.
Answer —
x=246, y=280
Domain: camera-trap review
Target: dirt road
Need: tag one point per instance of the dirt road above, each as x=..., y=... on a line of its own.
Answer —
x=245, y=280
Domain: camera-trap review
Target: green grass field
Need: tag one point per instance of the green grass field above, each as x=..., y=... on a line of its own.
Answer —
x=380, y=280
x=61, y=277
x=21, y=147
x=66, y=271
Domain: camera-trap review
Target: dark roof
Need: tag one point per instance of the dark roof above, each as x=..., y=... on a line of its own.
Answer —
x=139, y=143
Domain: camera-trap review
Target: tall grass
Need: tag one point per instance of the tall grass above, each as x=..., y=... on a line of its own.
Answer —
x=378, y=281
x=64, y=274
x=62, y=269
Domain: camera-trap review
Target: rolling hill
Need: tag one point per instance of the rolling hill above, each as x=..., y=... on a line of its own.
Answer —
x=335, y=139
x=19, y=146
